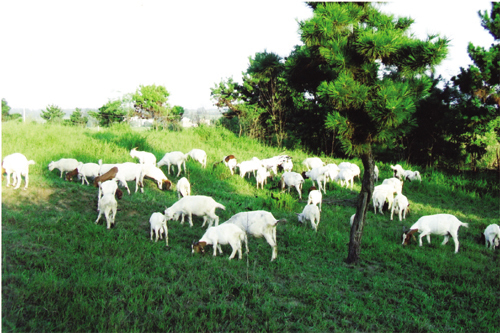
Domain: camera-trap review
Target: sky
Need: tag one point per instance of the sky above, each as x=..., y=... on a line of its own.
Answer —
x=85, y=53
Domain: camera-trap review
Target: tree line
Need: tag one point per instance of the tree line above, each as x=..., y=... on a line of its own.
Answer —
x=360, y=78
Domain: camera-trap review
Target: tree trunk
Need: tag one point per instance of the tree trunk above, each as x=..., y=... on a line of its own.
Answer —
x=362, y=208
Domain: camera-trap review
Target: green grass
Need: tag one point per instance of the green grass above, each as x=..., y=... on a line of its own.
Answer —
x=61, y=272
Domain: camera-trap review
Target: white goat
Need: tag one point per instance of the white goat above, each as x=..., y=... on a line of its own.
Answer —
x=394, y=182
x=107, y=205
x=221, y=235
x=174, y=158
x=261, y=178
x=155, y=173
x=345, y=176
x=198, y=205
x=292, y=179
x=398, y=171
x=158, y=225
x=412, y=175
x=311, y=213
x=355, y=170
x=107, y=187
x=375, y=174
x=199, y=155
x=315, y=197
x=249, y=166
x=183, y=188
x=275, y=161
x=64, y=165
x=287, y=165
x=319, y=175
x=440, y=224
x=313, y=162
x=18, y=165
x=129, y=171
x=258, y=223
x=401, y=206
x=492, y=236
x=231, y=162
x=88, y=170
x=381, y=196
x=143, y=156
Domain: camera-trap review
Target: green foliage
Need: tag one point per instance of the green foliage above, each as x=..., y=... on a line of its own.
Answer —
x=151, y=102
x=77, y=118
x=5, y=112
x=61, y=272
x=177, y=112
x=52, y=113
x=109, y=113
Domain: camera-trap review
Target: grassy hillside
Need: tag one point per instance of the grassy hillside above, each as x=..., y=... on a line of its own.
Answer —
x=62, y=272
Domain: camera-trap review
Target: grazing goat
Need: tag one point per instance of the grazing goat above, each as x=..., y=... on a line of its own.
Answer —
x=155, y=173
x=258, y=223
x=345, y=176
x=107, y=205
x=381, y=195
x=249, y=166
x=375, y=174
x=221, y=235
x=394, y=182
x=287, y=165
x=110, y=174
x=129, y=171
x=174, y=158
x=64, y=165
x=199, y=155
x=109, y=187
x=315, y=197
x=143, y=156
x=261, y=178
x=412, y=175
x=183, y=188
x=400, y=205
x=199, y=205
x=90, y=170
x=231, y=162
x=311, y=213
x=492, y=236
x=355, y=170
x=319, y=175
x=18, y=165
x=292, y=179
x=398, y=171
x=158, y=225
x=313, y=162
x=440, y=224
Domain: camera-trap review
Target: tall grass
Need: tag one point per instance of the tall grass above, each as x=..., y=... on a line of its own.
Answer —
x=61, y=272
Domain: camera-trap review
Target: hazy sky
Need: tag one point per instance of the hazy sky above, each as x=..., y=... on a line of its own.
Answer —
x=82, y=54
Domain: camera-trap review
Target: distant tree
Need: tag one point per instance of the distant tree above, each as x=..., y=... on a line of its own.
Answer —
x=480, y=86
x=5, y=112
x=372, y=76
x=109, y=113
x=177, y=112
x=52, y=113
x=151, y=102
x=77, y=118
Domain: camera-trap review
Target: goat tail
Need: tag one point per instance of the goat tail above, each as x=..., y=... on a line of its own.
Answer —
x=31, y=162
x=221, y=206
x=100, y=162
x=465, y=225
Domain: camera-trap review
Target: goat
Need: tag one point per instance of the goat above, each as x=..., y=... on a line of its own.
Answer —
x=318, y=174
x=110, y=174
x=199, y=205
x=292, y=179
x=375, y=174
x=439, y=224
x=107, y=205
x=158, y=225
x=18, y=165
x=394, y=182
x=401, y=205
x=345, y=176
x=109, y=187
x=381, y=195
x=174, y=158
x=199, y=155
x=313, y=162
x=492, y=236
x=221, y=235
x=143, y=156
x=183, y=187
x=311, y=213
x=258, y=223
x=355, y=170
x=231, y=162
x=155, y=173
x=64, y=165
x=398, y=171
x=412, y=175
x=129, y=171
x=315, y=197
x=249, y=166
x=84, y=171
x=261, y=178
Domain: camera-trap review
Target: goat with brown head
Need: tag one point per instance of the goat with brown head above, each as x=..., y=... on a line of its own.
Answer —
x=198, y=247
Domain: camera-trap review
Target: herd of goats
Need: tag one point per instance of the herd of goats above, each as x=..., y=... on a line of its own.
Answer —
x=108, y=177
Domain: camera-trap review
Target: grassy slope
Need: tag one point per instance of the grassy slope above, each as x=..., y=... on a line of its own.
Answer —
x=62, y=272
